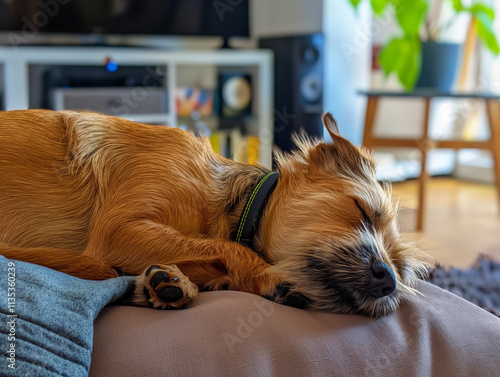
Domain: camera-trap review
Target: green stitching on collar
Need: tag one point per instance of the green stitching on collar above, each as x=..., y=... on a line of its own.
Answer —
x=249, y=204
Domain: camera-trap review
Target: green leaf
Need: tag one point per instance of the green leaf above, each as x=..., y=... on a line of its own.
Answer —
x=457, y=5
x=378, y=6
x=484, y=16
x=410, y=15
x=355, y=2
x=402, y=56
x=481, y=8
x=486, y=33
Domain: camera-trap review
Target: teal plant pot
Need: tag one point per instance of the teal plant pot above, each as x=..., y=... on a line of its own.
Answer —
x=439, y=66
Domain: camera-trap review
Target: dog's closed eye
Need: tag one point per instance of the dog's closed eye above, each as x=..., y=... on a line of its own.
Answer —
x=367, y=220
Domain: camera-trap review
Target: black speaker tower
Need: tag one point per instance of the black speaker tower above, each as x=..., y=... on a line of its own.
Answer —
x=298, y=86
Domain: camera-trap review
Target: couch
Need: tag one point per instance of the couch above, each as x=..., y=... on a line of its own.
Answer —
x=238, y=334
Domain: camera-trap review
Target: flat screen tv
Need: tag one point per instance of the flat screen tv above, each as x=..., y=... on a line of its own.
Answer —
x=224, y=18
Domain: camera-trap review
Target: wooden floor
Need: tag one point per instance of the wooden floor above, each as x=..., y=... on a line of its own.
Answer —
x=462, y=220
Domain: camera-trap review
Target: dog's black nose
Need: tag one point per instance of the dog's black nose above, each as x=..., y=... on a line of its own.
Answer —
x=382, y=281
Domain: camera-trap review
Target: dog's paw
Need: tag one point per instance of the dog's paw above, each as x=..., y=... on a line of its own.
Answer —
x=164, y=287
x=282, y=295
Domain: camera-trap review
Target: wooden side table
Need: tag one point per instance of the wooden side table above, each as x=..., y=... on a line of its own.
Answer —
x=424, y=144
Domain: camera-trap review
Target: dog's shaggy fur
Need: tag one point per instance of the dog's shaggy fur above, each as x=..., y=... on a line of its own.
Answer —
x=90, y=195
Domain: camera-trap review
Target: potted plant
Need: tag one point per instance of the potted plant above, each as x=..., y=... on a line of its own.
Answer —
x=414, y=52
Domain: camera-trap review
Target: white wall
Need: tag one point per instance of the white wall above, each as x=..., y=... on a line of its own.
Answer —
x=347, y=64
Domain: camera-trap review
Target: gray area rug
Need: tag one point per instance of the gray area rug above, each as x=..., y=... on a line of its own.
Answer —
x=479, y=284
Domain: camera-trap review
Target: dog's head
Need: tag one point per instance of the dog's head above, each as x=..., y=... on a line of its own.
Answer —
x=331, y=230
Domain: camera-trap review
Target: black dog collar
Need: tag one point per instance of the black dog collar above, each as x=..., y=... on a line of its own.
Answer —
x=252, y=212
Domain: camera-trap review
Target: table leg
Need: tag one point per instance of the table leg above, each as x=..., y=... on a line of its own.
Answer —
x=371, y=109
x=493, y=108
x=424, y=146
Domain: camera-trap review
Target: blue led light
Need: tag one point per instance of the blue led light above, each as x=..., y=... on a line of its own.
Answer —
x=112, y=66
x=317, y=39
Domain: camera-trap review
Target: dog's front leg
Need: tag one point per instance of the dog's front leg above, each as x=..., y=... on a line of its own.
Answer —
x=209, y=263
x=163, y=287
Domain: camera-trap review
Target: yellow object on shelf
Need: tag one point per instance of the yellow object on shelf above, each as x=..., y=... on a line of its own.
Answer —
x=253, y=150
x=215, y=141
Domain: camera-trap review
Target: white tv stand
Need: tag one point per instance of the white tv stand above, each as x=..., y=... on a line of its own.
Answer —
x=15, y=64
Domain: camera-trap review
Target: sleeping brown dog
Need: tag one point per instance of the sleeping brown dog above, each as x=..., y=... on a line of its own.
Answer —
x=93, y=196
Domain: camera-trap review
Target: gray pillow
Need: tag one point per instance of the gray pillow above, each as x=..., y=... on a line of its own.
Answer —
x=47, y=326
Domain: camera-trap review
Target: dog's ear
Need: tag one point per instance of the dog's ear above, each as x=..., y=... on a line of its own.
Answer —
x=331, y=125
x=342, y=145
x=342, y=153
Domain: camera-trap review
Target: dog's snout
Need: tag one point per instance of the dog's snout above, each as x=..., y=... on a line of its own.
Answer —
x=382, y=281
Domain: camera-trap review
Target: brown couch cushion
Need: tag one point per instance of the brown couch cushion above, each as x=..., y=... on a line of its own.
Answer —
x=238, y=334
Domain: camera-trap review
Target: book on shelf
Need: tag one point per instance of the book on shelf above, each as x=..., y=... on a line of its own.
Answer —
x=232, y=144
